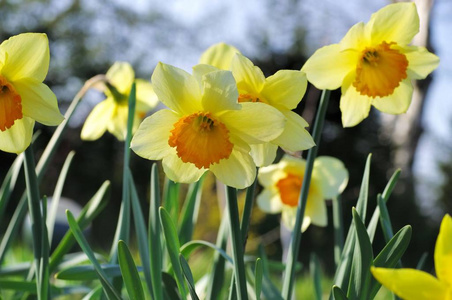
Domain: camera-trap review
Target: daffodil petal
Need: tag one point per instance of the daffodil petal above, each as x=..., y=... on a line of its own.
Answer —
x=398, y=102
x=263, y=154
x=269, y=201
x=248, y=77
x=328, y=66
x=255, y=122
x=176, y=89
x=121, y=76
x=269, y=175
x=421, y=62
x=316, y=210
x=38, y=102
x=238, y=170
x=219, y=55
x=354, y=107
x=146, y=97
x=151, y=139
x=27, y=56
x=288, y=217
x=178, y=171
x=219, y=92
x=97, y=121
x=118, y=123
x=285, y=88
x=398, y=22
x=411, y=284
x=202, y=69
x=443, y=251
x=293, y=165
x=331, y=175
x=294, y=137
x=17, y=138
x=355, y=37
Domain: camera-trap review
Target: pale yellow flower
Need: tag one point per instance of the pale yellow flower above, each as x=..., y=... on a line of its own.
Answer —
x=24, y=99
x=374, y=64
x=412, y=284
x=282, y=186
x=112, y=113
x=282, y=91
x=205, y=129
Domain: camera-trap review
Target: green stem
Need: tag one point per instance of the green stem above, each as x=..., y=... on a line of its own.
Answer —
x=237, y=242
x=296, y=233
x=338, y=225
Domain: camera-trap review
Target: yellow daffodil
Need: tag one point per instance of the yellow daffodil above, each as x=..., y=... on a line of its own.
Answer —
x=24, y=99
x=283, y=91
x=205, y=129
x=112, y=113
x=374, y=64
x=418, y=285
x=282, y=186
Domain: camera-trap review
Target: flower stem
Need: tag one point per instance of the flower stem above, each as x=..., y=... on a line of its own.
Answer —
x=338, y=229
x=296, y=233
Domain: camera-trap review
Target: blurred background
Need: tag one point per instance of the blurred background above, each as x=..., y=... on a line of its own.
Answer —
x=87, y=37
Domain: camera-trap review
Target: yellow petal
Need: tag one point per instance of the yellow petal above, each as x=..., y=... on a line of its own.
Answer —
x=355, y=38
x=219, y=55
x=176, y=89
x=293, y=165
x=269, y=201
x=354, y=107
x=219, y=92
x=200, y=70
x=443, y=251
x=398, y=102
x=294, y=137
x=146, y=97
x=38, y=102
x=411, y=284
x=151, y=139
x=238, y=171
x=331, y=175
x=17, y=138
x=269, y=175
x=285, y=89
x=121, y=76
x=249, y=78
x=178, y=171
x=421, y=62
x=288, y=217
x=27, y=56
x=97, y=121
x=316, y=209
x=397, y=22
x=255, y=122
x=263, y=154
x=328, y=66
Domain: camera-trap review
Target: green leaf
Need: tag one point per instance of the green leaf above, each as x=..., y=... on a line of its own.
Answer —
x=314, y=267
x=385, y=219
x=189, y=276
x=362, y=260
x=171, y=198
x=421, y=263
x=20, y=286
x=130, y=275
x=170, y=287
x=189, y=247
x=338, y=293
x=78, y=234
x=87, y=272
x=9, y=182
x=189, y=214
x=268, y=288
x=338, y=224
x=258, y=274
x=173, y=247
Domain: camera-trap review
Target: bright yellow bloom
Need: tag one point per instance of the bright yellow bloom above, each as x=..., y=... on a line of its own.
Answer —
x=112, y=113
x=373, y=64
x=206, y=128
x=283, y=91
x=282, y=186
x=418, y=285
x=24, y=99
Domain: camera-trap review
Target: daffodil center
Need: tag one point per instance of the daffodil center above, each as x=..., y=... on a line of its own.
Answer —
x=380, y=70
x=248, y=97
x=289, y=189
x=10, y=105
x=200, y=139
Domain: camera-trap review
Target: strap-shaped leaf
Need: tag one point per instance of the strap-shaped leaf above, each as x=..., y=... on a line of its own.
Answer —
x=258, y=274
x=129, y=272
x=189, y=213
x=338, y=294
x=189, y=276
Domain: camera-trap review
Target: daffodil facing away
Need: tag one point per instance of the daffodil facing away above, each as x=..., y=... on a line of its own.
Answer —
x=205, y=129
x=412, y=284
x=283, y=91
x=111, y=114
x=374, y=64
x=282, y=184
x=24, y=99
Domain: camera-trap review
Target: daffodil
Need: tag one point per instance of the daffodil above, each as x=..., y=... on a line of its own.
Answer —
x=282, y=91
x=374, y=64
x=24, y=99
x=111, y=114
x=205, y=128
x=418, y=285
x=282, y=186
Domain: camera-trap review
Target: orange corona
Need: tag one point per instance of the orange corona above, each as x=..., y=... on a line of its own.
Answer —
x=10, y=105
x=289, y=189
